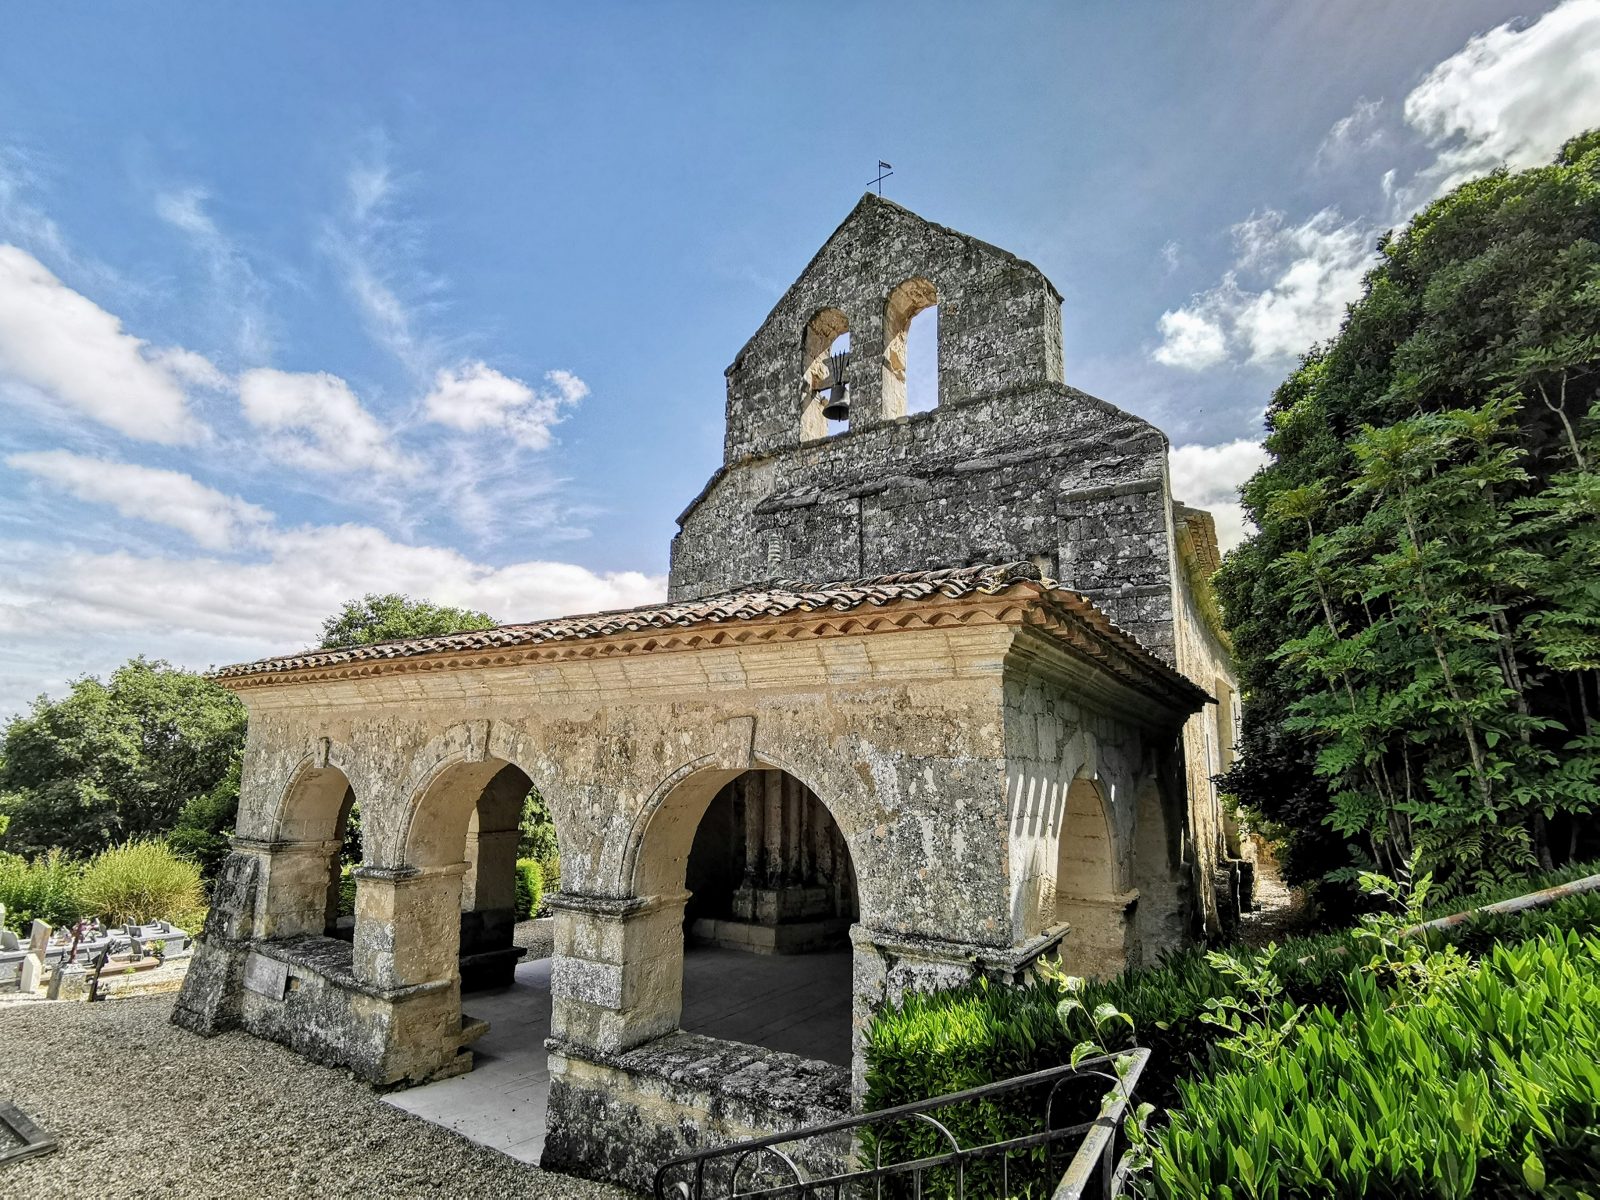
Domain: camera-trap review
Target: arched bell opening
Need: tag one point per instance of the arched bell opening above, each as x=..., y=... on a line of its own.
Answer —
x=824, y=376
x=911, y=349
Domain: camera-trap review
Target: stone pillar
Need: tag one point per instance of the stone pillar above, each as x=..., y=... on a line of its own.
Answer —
x=489, y=910
x=617, y=979
x=888, y=965
x=212, y=989
x=407, y=922
x=292, y=895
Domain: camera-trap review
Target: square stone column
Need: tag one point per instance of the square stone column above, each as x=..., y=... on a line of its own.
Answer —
x=292, y=887
x=408, y=922
x=617, y=979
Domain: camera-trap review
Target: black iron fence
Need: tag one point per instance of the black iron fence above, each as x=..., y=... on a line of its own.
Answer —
x=1056, y=1133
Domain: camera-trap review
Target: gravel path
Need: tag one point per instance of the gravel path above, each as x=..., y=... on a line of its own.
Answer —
x=537, y=937
x=142, y=1108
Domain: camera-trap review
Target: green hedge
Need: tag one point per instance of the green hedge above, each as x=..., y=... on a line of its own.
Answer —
x=530, y=887
x=45, y=889
x=1489, y=1086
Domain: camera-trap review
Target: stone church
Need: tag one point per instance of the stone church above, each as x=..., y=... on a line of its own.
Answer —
x=939, y=691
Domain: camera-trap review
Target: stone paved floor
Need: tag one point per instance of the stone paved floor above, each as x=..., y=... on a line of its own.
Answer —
x=797, y=1003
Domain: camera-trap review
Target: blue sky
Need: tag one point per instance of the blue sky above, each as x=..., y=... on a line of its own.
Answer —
x=299, y=301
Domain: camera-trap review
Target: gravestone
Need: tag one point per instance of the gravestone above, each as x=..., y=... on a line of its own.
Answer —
x=8, y=940
x=33, y=965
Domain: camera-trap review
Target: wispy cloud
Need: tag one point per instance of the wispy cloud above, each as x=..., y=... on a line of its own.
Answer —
x=377, y=249
x=236, y=289
x=171, y=498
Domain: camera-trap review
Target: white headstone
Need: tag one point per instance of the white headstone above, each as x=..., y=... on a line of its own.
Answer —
x=32, y=974
x=38, y=938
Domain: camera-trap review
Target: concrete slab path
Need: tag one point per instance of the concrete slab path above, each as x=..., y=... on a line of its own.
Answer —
x=796, y=1003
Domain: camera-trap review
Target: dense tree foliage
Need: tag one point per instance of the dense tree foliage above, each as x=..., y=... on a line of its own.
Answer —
x=1418, y=618
x=392, y=617
x=120, y=759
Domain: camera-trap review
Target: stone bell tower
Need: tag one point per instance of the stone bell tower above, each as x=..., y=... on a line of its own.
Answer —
x=1010, y=465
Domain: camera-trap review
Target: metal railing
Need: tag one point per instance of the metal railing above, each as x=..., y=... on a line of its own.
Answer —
x=804, y=1164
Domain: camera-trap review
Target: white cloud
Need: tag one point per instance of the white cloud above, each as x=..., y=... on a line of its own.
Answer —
x=211, y=609
x=77, y=356
x=474, y=396
x=1209, y=477
x=1509, y=97
x=1304, y=276
x=316, y=423
x=1190, y=339
x=171, y=498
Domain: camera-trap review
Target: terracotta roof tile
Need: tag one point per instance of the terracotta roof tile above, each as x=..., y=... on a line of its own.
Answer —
x=775, y=599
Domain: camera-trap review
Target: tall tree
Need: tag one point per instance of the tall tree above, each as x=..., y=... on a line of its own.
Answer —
x=393, y=617
x=118, y=759
x=1418, y=619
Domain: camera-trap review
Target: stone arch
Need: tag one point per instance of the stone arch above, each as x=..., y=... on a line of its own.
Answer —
x=1089, y=894
x=916, y=295
x=822, y=332
x=308, y=808
x=301, y=849
x=780, y=880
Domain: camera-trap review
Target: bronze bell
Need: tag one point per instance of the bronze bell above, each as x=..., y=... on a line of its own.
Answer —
x=838, y=406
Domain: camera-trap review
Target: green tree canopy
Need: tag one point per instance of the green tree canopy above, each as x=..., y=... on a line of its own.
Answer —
x=393, y=617
x=1417, y=620
x=118, y=759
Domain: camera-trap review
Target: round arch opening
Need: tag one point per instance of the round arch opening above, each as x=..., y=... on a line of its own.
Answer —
x=772, y=894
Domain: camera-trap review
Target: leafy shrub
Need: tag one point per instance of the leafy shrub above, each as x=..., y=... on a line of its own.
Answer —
x=45, y=889
x=1489, y=1086
x=950, y=1040
x=530, y=888
x=140, y=881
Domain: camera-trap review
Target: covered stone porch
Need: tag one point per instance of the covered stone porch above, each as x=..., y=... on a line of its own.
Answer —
x=887, y=765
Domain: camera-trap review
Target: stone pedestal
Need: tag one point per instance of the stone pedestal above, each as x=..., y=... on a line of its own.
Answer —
x=294, y=885
x=617, y=979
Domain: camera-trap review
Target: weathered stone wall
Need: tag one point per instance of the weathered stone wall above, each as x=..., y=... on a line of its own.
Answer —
x=999, y=324
x=1092, y=816
x=1204, y=657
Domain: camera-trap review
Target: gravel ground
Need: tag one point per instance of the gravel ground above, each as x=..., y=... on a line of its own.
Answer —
x=537, y=937
x=142, y=1108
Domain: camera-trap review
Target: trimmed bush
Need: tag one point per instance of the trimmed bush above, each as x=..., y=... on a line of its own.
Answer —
x=45, y=889
x=1488, y=1087
x=530, y=887
x=140, y=881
